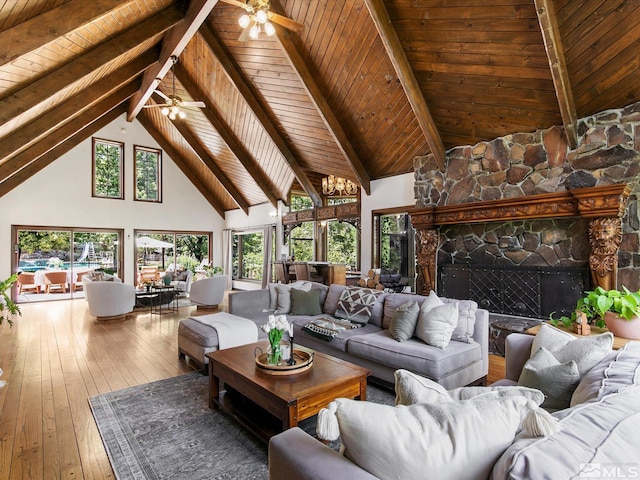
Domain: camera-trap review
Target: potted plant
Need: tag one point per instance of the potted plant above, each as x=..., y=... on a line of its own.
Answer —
x=7, y=308
x=618, y=310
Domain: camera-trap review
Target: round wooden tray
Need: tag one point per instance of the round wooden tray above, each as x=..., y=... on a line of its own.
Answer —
x=304, y=361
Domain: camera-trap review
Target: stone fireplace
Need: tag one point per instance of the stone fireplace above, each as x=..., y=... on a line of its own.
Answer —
x=524, y=203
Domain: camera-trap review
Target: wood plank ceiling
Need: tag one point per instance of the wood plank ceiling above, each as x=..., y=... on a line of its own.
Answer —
x=362, y=89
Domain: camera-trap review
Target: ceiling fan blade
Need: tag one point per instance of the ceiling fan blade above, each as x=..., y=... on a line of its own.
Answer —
x=244, y=36
x=194, y=104
x=156, y=105
x=236, y=3
x=286, y=22
x=163, y=95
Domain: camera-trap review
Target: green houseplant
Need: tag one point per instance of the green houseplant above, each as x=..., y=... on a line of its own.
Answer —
x=7, y=308
x=619, y=310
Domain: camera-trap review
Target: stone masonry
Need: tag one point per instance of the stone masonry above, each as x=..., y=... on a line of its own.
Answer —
x=524, y=164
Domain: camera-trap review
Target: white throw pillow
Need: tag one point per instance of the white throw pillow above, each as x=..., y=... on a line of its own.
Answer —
x=437, y=323
x=412, y=389
x=446, y=440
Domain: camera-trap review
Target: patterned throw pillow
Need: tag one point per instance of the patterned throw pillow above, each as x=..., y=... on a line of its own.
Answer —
x=356, y=304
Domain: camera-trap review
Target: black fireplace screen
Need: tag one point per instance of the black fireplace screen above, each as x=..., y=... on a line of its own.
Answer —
x=534, y=292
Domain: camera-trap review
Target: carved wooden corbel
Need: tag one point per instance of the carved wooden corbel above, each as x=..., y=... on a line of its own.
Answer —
x=428, y=240
x=605, y=237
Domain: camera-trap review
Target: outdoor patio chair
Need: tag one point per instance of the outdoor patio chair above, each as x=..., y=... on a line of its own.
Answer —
x=77, y=285
x=27, y=281
x=56, y=280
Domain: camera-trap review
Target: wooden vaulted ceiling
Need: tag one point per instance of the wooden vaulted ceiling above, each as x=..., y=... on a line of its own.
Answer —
x=362, y=89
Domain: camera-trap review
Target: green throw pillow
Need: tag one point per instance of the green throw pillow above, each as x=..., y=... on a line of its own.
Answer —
x=403, y=322
x=305, y=303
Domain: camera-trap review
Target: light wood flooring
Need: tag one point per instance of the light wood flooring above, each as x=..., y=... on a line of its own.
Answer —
x=54, y=358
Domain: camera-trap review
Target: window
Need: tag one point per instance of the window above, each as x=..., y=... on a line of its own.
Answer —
x=342, y=243
x=107, y=171
x=301, y=245
x=394, y=244
x=341, y=200
x=248, y=248
x=300, y=202
x=148, y=174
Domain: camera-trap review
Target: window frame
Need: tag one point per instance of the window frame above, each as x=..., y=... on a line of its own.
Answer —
x=158, y=151
x=115, y=143
x=239, y=254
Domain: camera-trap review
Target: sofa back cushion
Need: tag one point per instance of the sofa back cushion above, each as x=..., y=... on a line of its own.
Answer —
x=333, y=298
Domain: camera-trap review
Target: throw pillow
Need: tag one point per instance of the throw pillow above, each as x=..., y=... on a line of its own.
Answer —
x=283, y=304
x=273, y=296
x=305, y=303
x=447, y=440
x=412, y=388
x=466, y=321
x=356, y=304
x=435, y=325
x=556, y=380
x=403, y=322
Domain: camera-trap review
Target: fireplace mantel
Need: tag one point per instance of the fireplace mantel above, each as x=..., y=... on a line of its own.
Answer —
x=604, y=205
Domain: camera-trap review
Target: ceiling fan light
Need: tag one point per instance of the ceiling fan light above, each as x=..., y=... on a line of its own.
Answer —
x=269, y=28
x=244, y=21
x=261, y=16
x=172, y=116
x=254, y=32
x=182, y=115
x=165, y=111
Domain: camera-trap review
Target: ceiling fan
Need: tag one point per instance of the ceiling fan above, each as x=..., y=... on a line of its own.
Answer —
x=258, y=19
x=173, y=106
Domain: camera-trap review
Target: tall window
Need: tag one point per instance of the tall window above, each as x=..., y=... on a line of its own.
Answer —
x=107, y=170
x=300, y=202
x=395, y=243
x=248, y=253
x=301, y=245
x=342, y=243
x=148, y=169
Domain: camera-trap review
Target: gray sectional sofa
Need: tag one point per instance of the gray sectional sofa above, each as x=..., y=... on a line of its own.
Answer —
x=597, y=439
x=372, y=346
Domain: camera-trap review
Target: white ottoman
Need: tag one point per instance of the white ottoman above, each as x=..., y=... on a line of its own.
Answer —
x=206, y=333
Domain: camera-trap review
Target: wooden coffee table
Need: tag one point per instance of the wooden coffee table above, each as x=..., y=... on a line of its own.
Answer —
x=269, y=404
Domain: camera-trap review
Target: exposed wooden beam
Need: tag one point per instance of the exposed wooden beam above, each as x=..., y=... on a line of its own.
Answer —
x=30, y=34
x=206, y=158
x=78, y=121
x=237, y=78
x=324, y=109
x=172, y=45
x=228, y=136
x=66, y=76
x=181, y=163
x=20, y=140
x=407, y=78
x=59, y=150
x=558, y=65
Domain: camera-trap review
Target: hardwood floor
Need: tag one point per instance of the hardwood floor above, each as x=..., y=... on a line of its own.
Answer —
x=54, y=358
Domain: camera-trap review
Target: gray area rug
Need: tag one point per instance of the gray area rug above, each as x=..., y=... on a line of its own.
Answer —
x=165, y=430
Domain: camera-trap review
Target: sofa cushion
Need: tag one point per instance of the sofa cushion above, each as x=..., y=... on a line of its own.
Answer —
x=448, y=440
x=414, y=354
x=199, y=333
x=593, y=434
x=403, y=323
x=436, y=323
x=356, y=304
x=284, y=295
x=411, y=388
x=339, y=342
x=305, y=303
x=393, y=300
x=333, y=296
x=618, y=370
x=557, y=380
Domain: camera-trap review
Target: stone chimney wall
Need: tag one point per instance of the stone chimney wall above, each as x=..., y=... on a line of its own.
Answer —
x=524, y=164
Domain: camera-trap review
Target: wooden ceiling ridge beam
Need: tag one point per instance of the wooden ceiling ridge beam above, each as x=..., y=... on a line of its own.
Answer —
x=558, y=65
x=49, y=157
x=20, y=140
x=78, y=121
x=30, y=35
x=173, y=44
x=324, y=109
x=228, y=135
x=208, y=160
x=234, y=75
x=181, y=163
x=44, y=88
x=407, y=78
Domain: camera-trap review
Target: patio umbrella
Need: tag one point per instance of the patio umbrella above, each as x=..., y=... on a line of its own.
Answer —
x=148, y=242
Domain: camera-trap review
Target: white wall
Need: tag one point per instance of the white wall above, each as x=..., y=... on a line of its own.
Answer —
x=387, y=192
x=60, y=195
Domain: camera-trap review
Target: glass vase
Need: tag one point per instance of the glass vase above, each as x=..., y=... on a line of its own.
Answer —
x=274, y=355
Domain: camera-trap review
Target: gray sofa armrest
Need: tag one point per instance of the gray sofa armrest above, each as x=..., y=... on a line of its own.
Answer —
x=517, y=352
x=296, y=455
x=249, y=303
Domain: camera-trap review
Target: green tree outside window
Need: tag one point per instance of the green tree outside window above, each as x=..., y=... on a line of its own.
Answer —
x=108, y=158
x=148, y=173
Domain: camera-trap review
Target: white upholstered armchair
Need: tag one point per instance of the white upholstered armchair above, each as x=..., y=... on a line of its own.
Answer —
x=208, y=292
